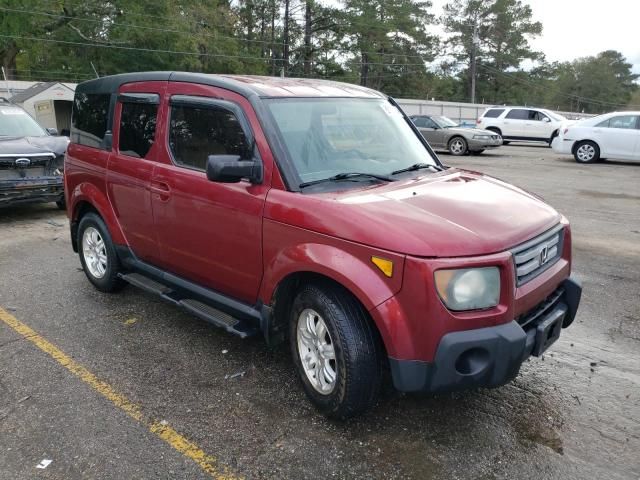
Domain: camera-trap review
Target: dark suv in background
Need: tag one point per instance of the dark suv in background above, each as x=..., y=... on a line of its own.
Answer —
x=31, y=159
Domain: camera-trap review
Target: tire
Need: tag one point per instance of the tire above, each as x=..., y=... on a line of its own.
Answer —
x=553, y=135
x=98, y=255
x=457, y=146
x=61, y=204
x=356, y=367
x=506, y=142
x=477, y=152
x=586, y=152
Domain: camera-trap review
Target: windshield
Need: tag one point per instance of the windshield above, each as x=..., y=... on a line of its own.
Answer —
x=555, y=116
x=444, y=122
x=328, y=136
x=15, y=122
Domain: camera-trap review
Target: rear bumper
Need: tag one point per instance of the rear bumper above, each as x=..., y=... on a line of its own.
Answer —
x=562, y=146
x=39, y=189
x=490, y=356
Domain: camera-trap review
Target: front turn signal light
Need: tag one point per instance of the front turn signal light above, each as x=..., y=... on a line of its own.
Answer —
x=385, y=266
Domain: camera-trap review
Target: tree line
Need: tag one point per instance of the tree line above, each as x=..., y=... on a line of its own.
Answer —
x=389, y=45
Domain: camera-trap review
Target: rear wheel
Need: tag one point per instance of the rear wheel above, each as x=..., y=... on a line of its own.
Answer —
x=586, y=152
x=97, y=254
x=336, y=350
x=457, y=146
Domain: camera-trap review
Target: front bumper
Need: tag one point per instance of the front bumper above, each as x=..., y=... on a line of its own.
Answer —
x=475, y=144
x=490, y=356
x=35, y=189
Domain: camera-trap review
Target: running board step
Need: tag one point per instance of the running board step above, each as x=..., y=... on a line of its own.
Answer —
x=219, y=318
x=145, y=283
x=242, y=328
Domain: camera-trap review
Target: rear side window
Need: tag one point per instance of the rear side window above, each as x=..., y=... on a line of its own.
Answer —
x=493, y=113
x=89, y=118
x=623, y=121
x=518, y=114
x=197, y=132
x=137, y=128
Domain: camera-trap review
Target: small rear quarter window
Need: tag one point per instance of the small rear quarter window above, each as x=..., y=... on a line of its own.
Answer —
x=493, y=113
x=89, y=118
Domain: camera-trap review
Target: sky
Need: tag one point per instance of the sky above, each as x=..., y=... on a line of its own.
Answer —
x=579, y=28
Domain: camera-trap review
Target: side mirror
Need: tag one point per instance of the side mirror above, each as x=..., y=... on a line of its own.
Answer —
x=231, y=169
x=546, y=119
x=53, y=131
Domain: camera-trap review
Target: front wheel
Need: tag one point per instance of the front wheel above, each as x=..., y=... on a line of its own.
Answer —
x=336, y=350
x=586, y=152
x=97, y=254
x=457, y=146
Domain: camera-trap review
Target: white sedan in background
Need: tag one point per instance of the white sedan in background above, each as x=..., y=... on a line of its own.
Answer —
x=612, y=135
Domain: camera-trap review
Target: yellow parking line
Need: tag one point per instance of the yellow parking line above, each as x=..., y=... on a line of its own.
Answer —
x=189, y=449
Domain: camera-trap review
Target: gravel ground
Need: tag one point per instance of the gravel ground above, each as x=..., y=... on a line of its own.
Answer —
x=573, y=414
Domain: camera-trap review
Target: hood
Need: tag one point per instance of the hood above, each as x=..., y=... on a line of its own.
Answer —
x=472, y=131
x=449, y=214
x=33, y=145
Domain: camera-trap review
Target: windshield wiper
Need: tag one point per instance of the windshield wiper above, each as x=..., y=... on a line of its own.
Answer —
x=346, y=176
x=417, y=166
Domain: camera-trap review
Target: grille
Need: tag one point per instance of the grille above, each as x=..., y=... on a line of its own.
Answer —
x=535, y=256
x=8, y=162
x=15, y=174
x=541, y=309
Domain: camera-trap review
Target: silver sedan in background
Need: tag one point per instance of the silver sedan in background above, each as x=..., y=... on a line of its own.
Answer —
x=442, y=133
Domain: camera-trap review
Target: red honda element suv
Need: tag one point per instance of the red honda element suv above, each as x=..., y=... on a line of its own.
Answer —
x=314, y=212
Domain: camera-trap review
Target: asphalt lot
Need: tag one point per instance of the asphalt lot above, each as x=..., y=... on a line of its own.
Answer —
x=573, y=415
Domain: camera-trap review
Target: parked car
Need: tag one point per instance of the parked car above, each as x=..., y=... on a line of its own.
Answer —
x=522, y=123
x=315, y=212
x=442, y=133
x=31, y=159
x=615, y=135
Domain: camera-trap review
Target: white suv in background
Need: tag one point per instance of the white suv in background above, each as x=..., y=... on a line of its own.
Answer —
x=522, y=123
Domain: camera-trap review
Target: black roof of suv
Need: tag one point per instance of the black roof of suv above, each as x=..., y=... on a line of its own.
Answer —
x=245, y=85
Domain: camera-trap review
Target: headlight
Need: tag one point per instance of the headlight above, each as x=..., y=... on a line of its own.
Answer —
x=482, y=137
x=59, y=164
x=468, y=288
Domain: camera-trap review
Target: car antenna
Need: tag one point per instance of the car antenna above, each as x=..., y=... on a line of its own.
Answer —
x=94, y=70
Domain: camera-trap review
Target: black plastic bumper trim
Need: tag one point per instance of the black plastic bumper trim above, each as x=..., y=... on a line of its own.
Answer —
x=486, y=357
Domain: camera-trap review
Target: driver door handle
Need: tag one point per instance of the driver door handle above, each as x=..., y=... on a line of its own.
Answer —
x=161, y=188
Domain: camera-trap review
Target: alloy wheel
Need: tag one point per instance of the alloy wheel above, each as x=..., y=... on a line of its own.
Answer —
x=457, y=147
x=316, y=351
x=94, y=252
x=585, y=152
